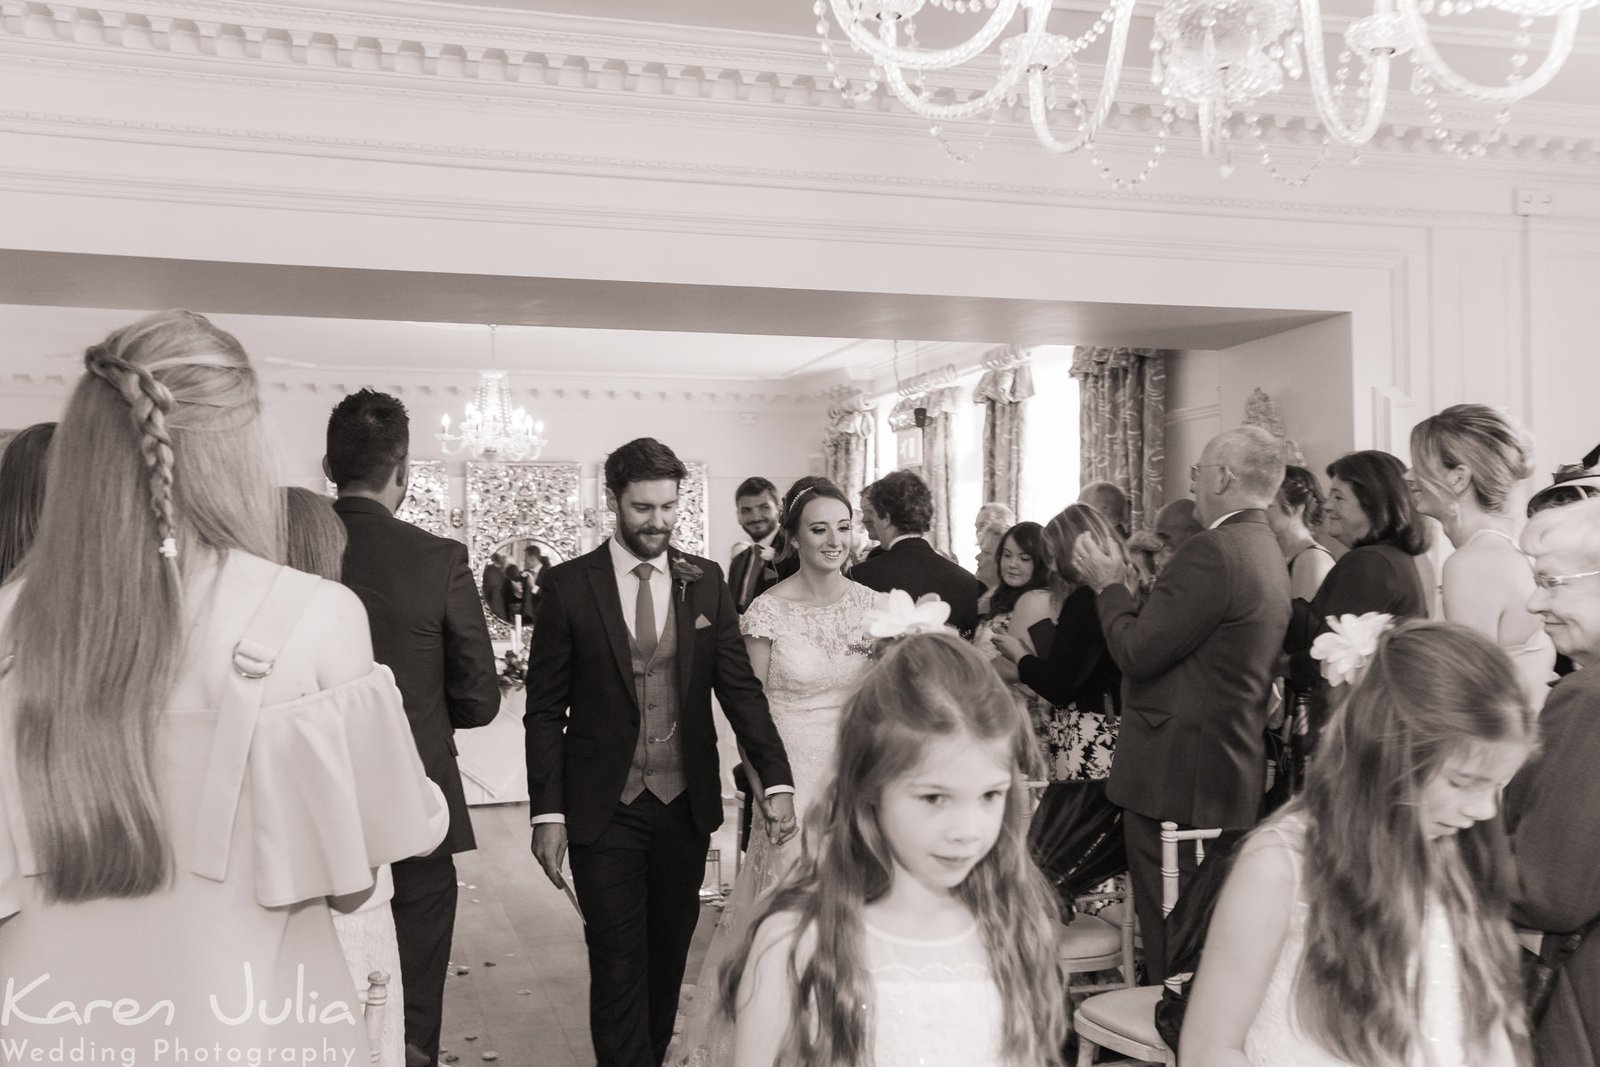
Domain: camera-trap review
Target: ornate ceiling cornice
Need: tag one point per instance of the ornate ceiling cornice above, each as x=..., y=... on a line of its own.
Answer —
x=524, y=59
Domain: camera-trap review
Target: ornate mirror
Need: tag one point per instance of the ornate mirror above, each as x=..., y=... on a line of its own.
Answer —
x=511, y=506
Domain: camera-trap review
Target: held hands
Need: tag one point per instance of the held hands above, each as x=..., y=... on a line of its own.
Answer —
x=778, y=811
x=1010, y=647
x=1098, y=567
x=550, y=848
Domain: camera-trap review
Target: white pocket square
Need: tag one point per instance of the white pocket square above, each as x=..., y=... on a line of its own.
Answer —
x=701, y=622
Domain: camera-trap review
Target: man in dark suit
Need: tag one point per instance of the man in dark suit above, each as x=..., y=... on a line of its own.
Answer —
x=753, y=569
x=631, y=640
x=903, y=510
x=1197, y=662
x=427, y=627
x=497, y=587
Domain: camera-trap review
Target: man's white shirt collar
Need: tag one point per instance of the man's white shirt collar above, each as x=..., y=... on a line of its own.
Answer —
x=624, y=561
x=1225, y=518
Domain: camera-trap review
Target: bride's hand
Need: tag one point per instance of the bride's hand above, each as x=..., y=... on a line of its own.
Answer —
x=779, y=813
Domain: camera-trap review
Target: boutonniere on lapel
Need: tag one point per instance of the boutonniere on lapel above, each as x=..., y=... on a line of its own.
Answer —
x=684, y=572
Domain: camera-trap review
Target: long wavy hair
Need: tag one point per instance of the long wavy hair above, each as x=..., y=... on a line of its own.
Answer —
x=925, y=687
x=1432, y=692
x=1062, y=533
x=1027, y=538
x=22, y=480
x=161, y=439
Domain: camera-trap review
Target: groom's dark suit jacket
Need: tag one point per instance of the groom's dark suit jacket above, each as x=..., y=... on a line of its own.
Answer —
x=428, y=628
x=1198, y=660
x=582, y=720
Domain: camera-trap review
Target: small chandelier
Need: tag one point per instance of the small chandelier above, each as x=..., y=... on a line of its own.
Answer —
x=1212, y=61
x=492, y=427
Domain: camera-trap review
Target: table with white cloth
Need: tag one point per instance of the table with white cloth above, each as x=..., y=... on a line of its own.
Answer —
x=492, y=758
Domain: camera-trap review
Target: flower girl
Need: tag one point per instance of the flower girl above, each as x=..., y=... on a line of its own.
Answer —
x=1366, y=923
x=915, y=928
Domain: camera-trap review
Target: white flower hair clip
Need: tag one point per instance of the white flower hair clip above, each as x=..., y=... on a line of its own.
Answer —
x=1348, y=645
x=902, y=616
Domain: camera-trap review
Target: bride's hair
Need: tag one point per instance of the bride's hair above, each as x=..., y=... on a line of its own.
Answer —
x=925, y=687
x=1432, y=692
x=160, y=457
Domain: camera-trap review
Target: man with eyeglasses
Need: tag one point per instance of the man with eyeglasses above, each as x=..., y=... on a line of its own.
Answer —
x=1552, y=807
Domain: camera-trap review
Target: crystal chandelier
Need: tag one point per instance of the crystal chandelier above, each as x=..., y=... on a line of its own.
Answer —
x=1212, y=62
x=492, y=427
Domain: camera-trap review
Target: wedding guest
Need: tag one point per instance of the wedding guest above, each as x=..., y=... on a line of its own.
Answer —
x=496, y=587
x=871, y=528
x=1467, y=461
x=1198, y=660
x=993, y=519
x=1024, y=568
x=904, y=509
x=533, y=565
x=1176, y=522
x=1366, y=923
x=1298, y=510
x=314, y=542
x=752, y=570
x=190, y=777
x=22, y=470
x=915, y=928
x=428, y=628
x=1553, y=807
x=1076, y=674
x=1111, y=501
x=1369, y=511
x=516, y=586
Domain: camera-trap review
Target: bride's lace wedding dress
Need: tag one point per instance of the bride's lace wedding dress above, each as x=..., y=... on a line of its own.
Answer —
x=818, y=653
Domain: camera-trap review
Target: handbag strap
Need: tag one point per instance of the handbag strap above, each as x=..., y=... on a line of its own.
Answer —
x=254, y=657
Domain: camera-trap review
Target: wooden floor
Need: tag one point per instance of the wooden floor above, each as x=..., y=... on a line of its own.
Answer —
x=525, y=994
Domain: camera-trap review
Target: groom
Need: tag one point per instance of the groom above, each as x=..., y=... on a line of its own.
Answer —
x=622, y=752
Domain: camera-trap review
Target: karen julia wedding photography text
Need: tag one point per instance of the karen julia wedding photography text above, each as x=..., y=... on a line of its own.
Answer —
x=157, y=1033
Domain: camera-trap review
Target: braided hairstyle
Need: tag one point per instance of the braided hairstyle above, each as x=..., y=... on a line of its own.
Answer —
x=158, y=460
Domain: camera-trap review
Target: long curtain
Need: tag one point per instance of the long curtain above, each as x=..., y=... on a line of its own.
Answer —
x=938, y=452
x=1122, y=423
x=1004, y=392
x=848, y=455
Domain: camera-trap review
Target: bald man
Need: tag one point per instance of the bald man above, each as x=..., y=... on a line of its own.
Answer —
x=1198, y=660
x=1176, y=522
x=1109, y=500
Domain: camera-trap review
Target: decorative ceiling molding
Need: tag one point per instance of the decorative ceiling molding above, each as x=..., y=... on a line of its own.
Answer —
x=281, y=196
x=532, y=56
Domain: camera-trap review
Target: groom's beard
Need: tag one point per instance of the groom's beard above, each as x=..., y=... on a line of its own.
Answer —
x=647, y=542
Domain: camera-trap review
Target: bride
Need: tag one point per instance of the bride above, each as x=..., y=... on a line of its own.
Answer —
x=808, y=642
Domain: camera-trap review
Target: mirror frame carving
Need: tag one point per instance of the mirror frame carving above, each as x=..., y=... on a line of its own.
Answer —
x=510, y=501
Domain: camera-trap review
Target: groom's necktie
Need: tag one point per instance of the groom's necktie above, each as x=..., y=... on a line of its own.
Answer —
x=644, y=613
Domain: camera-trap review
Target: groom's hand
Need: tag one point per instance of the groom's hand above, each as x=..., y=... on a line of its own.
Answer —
x=550, y=848
x=781, y=823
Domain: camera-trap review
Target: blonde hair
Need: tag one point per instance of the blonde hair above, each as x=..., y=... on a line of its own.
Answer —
x=1495, y=452
x=1062, y=533
x=161, y=439
x=1432, y=691
x=314, y=537
x=926, y=686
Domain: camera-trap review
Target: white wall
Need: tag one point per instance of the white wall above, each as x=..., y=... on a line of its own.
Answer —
x=777, y=444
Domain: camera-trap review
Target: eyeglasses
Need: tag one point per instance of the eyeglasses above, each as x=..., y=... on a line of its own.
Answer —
x=1553, y=581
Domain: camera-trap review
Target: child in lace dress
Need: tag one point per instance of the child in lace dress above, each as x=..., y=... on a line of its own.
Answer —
x=914, y=928
x=1366, y=923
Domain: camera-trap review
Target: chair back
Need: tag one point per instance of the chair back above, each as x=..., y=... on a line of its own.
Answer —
x=1171, y=838
x=372, y=1013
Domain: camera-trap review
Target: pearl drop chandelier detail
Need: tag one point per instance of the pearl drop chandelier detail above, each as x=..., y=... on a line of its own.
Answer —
x=1213, y=61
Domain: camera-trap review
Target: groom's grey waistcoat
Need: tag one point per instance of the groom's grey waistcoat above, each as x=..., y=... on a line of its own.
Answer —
x=657, y=767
